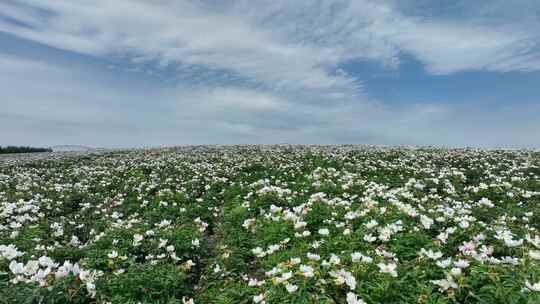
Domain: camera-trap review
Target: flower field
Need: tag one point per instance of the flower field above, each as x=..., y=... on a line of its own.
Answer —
x=272, y=224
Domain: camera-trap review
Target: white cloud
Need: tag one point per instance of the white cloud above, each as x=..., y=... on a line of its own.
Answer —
x=451, y=47
x=241, y=99
x=283, y=44
x=179, y=32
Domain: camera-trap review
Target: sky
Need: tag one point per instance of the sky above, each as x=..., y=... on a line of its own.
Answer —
x=139, y=73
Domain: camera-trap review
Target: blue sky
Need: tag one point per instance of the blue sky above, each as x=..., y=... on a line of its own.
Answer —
x=148, y=73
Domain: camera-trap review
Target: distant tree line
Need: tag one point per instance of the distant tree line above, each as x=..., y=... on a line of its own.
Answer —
x=16, y=149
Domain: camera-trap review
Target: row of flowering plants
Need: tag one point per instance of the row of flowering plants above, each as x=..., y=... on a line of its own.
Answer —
x=272, y=224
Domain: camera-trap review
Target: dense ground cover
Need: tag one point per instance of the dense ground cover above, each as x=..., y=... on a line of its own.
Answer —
x=272, y=224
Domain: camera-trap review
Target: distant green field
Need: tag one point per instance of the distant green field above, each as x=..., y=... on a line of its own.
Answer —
x=17, y=149
x=272, y=224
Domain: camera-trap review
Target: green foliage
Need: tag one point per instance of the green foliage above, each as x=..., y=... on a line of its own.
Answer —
x=17, y=149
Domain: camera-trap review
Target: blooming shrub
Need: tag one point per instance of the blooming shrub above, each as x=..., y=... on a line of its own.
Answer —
x=272, y=224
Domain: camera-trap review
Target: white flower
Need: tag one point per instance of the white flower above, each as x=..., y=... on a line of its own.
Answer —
x=444, y=263
x=513, y=243
x=61, y=272
x=9, y=252
x=369, y=238
x=324, y=231
x=343, y=276
x=445, y=284
x=259, y=298
x=187, y=301
x=46, y=261
x=137, y=238
x=371, y=224
x=16, y=268
x=300, y=224
x=467, y=247
x=510, y=260
x=89, y=277
x=284, y=277
x=426, y=221
x=388, y=268
x=162, y=242
x=366, y=259
x=307, y=271
x=533, y=287
x=31, y=267
x=91, y=288
x=431, y=254
x=456, y=272
x=353, y=299
x=273, y=248
x=254, y=282
x=535, y=241
x=486, y=202
x=195, y=243
x=313, y=256
x=68, y=267
x=535, y=254
x=461, y=263
x=335, y=260
x=163, y=224
x=58, y=230
x=74, y=241
x=258, y=251
x=295, y=261
x=464, y=224
x=113, y=254
x=189, y=263
x=247, y=223
x=291, y=288
x=358, y=257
